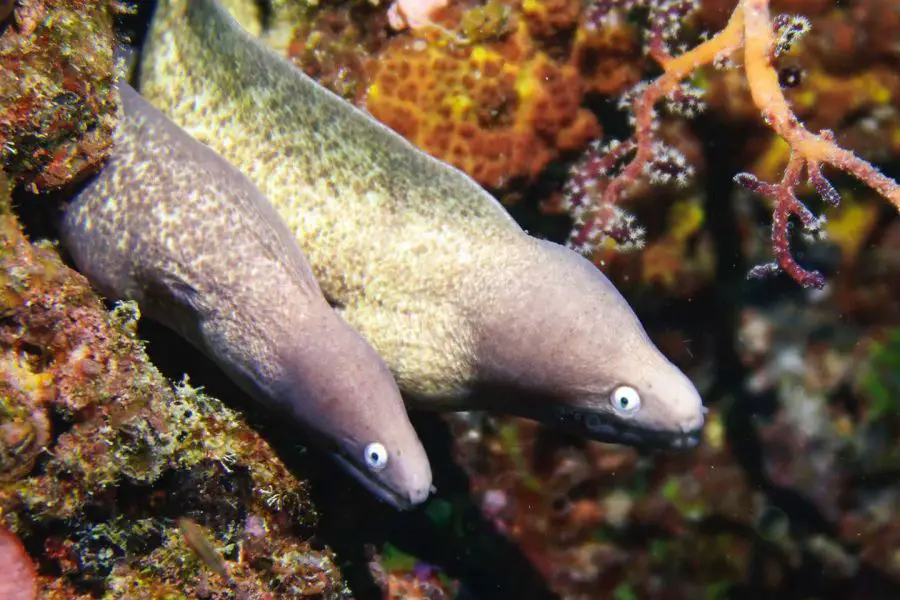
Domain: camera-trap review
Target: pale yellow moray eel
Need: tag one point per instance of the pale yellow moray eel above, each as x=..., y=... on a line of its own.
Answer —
x=173, y=226
x=467, y=310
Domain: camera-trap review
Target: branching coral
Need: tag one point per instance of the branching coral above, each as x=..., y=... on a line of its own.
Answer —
x=601, y=180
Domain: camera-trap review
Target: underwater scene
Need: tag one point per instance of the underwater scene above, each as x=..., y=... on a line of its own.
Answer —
x=515, y=299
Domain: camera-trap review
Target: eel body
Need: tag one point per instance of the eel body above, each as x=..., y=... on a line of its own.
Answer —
x=467, y=310
x=170, y=224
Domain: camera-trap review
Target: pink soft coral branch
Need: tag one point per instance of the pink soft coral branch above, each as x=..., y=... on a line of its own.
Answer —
x=751, y=28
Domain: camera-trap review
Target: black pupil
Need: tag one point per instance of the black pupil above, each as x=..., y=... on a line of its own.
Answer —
x=373, y=456
x=623, y=400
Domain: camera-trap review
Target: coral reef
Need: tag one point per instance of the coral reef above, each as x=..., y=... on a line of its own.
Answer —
x=489, y=88
x=117, y=483
x=57, y=106
x=600, y=521
x=402, y=576
x=608, y=522
x=600, y=181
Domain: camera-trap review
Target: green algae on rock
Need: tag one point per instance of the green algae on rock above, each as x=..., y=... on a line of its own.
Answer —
x=57, y=105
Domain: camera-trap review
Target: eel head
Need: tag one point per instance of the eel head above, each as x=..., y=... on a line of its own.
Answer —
x=334, y=384
x=562, y=346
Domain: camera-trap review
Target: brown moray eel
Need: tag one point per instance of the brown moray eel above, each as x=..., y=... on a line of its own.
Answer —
x=170, y=224
x=467, y=310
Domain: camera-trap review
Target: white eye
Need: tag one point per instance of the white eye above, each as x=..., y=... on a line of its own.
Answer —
x=625, y=400
x=376, y=456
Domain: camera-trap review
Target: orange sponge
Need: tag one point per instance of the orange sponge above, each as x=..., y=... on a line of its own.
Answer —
x=500, y=110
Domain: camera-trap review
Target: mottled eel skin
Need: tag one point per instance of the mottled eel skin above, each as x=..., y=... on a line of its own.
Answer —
x=467, y=310
x=170, y=224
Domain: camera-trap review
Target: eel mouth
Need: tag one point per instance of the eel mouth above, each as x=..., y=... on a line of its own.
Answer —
x=603, y=427
x=378, y=488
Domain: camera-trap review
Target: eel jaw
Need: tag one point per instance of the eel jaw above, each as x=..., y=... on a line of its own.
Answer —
x=381, y=491
x=605, y=427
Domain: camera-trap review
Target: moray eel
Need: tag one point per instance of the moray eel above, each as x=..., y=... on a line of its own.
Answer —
x=467, y=310
x=170, y=224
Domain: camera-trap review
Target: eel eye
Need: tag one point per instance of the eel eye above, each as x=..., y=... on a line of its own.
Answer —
x=376, y=456
x=625, y=400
